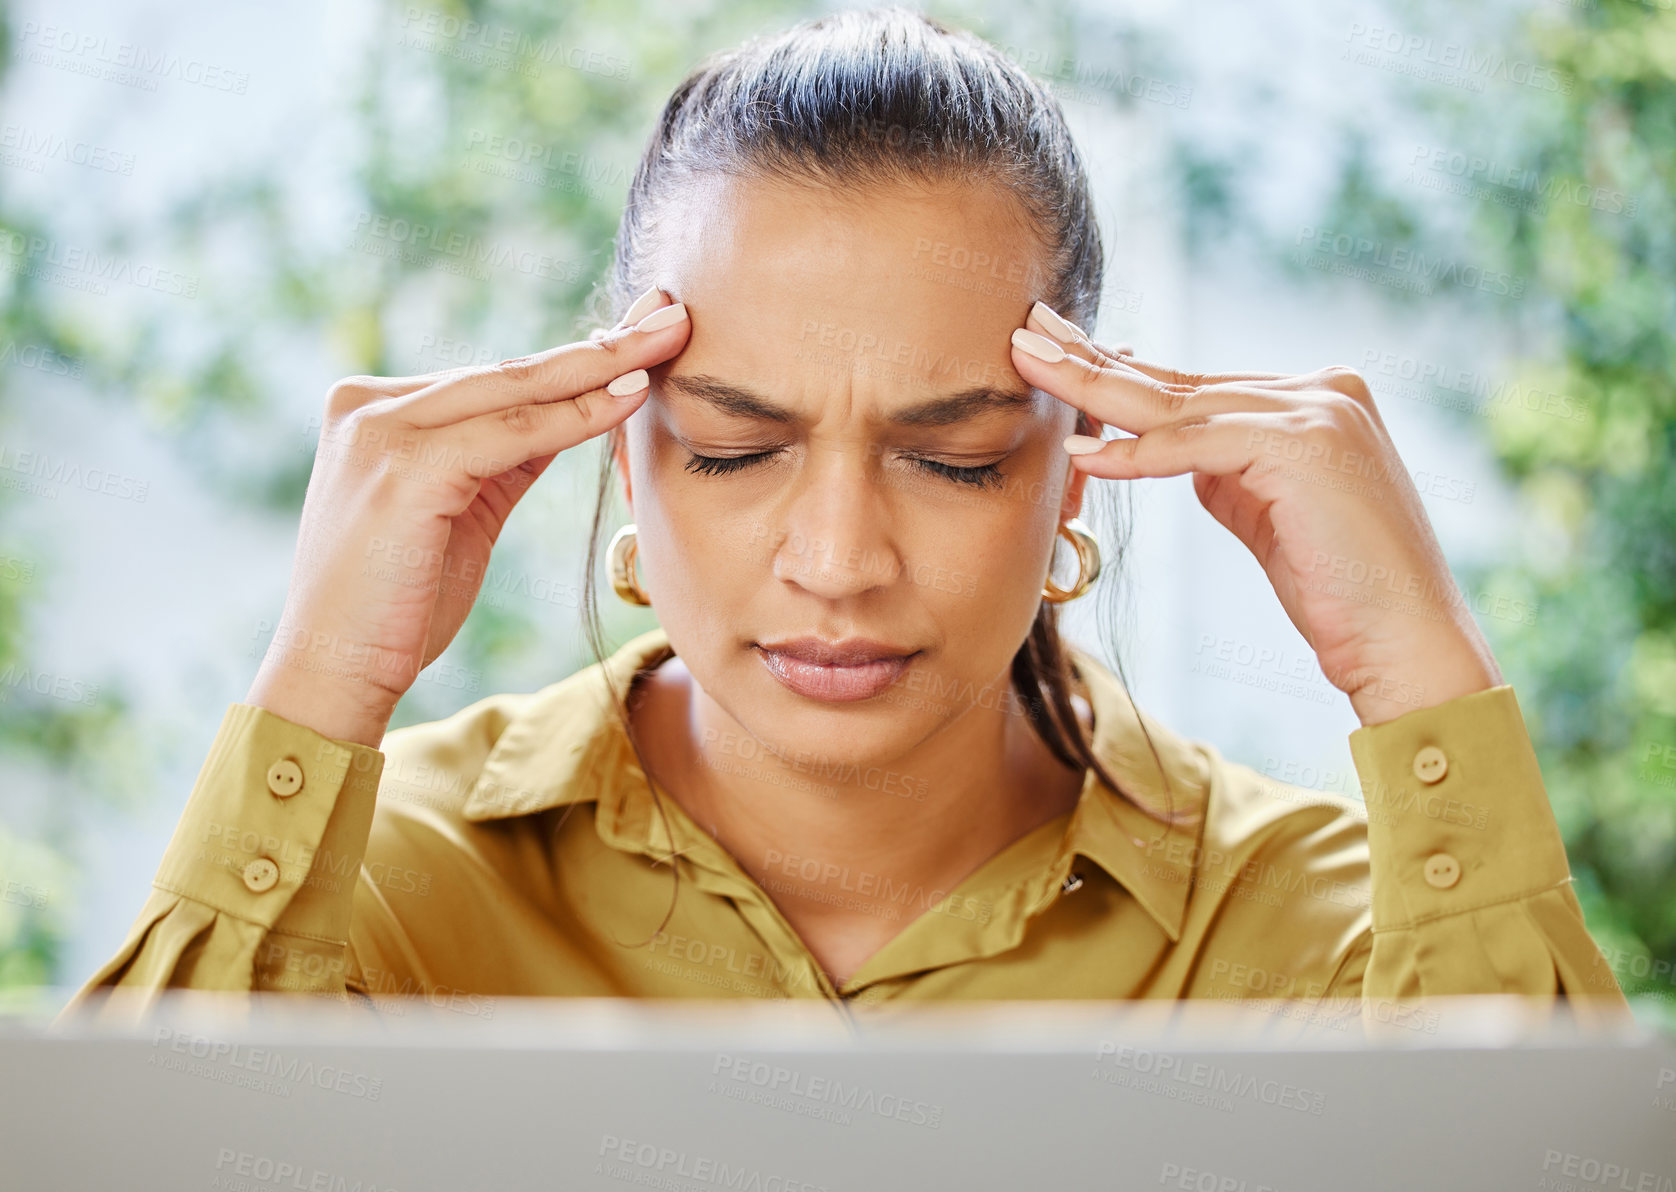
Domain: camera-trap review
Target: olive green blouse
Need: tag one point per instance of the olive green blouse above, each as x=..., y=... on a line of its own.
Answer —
x=514, y=848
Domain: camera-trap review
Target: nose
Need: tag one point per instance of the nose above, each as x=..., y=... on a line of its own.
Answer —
x=833, y=537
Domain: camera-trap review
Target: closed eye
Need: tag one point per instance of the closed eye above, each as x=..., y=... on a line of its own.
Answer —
x=981, y=476
x=719, y=465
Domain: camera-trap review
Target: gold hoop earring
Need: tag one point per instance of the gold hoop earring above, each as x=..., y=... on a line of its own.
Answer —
x=1088, y=563
x=622, y=554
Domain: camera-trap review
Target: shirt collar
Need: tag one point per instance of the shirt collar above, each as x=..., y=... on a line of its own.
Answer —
x=565, y=744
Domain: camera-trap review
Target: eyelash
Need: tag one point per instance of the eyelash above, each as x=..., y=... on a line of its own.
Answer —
x=983, y=476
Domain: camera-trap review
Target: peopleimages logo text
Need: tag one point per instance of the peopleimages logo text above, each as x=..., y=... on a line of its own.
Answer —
x=1402, y=260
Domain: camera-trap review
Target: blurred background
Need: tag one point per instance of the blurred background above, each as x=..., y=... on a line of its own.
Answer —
x=210, y=212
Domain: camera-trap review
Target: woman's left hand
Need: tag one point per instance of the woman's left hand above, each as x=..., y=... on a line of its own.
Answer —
x=1302, y=470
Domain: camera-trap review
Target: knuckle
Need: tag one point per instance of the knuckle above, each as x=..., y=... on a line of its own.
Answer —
x=521, y=419
x=1320, y=426
x=1341, y=378
x=1173, y=399
x=1350, y=417
x=355, y=428
x=586, y=407
x=517, y=370
x=348, y=394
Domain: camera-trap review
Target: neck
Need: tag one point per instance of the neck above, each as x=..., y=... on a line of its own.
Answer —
x=830, y=843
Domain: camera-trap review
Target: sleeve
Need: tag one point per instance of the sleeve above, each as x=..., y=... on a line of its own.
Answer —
x=1471, y=888
x=257, y=885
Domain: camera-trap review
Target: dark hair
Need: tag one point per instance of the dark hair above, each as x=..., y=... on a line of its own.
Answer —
x=883, y=96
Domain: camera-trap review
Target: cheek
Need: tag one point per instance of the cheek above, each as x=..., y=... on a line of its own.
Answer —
x=992, y=549
x=692, y=539
x=1037, y=482
x=1028, y=525
x=660, y=498
x=1007, y=567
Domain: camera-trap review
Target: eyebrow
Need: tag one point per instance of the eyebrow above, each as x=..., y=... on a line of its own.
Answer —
x=938, y=411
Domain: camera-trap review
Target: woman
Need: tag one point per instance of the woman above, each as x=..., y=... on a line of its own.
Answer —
x=853, y=411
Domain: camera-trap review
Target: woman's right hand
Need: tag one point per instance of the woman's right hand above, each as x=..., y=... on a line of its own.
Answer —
x=412, y=482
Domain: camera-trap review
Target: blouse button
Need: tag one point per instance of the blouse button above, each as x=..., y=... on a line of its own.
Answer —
x=260, y=875
x=1430, y=764
x=1442, y=871
x=1072, y=883
x=285, y=778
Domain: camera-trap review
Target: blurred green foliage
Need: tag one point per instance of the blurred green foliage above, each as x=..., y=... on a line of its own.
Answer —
x=1574, y=191
x=1598, y=669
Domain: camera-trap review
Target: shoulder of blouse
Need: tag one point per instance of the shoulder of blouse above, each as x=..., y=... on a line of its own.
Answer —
x=516, y=753
x=1228, y=818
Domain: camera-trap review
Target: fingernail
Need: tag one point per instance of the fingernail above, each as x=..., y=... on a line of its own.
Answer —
x=640, y=307
x=1063, y=329
x=1039, y=346
x=663, y=316
x=1082, y=445
x=628, y=384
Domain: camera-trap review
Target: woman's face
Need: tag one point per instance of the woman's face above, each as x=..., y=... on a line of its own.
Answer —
x=843, y=455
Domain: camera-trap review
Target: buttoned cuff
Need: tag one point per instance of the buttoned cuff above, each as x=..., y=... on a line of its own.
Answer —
x=276, y=825
x=1458, y=817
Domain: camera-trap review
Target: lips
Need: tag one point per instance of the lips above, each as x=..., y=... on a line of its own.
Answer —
x=835, y=672
x=852, y=651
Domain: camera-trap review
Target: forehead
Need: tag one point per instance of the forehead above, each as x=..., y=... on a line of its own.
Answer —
x=915, y=287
